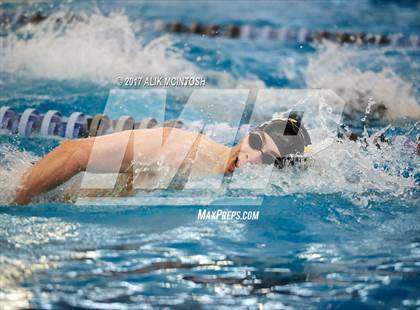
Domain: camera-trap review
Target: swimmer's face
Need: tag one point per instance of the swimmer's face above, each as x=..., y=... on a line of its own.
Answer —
x=257, y=148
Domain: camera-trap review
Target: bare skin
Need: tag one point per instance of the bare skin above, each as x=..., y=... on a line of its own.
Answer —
x=146, y=147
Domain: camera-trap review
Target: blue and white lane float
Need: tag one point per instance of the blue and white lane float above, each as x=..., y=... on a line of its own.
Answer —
x=77, y=125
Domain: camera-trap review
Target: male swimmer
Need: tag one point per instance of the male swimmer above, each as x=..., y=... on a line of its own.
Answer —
x=273, y=142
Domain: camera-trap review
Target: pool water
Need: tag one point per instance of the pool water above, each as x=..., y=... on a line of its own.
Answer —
x=342, y=233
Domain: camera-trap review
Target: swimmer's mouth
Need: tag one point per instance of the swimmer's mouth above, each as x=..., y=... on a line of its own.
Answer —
x=233, y=165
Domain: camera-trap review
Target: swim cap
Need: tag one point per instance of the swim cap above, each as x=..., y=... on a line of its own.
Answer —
x=289, y=135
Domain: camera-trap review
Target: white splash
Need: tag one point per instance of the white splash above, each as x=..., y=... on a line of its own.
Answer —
x=337, y=68
x=13, y=164
x=98, y=49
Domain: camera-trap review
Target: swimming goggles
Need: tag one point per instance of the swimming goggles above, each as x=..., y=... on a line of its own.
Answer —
x=256, y=142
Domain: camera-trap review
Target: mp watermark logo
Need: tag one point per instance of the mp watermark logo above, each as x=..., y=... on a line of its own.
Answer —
x=210, y=117
x=227, y=215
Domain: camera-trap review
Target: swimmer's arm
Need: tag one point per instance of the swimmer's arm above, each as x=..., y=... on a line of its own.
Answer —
x=71, y=157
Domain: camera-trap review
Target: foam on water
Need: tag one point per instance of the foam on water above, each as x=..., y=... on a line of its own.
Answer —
x=360, y=174
x=339, y=68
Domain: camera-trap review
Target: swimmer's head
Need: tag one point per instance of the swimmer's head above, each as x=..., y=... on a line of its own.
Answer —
x=273, y=142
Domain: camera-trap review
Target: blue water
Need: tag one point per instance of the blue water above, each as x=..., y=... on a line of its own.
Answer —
x=343, y=233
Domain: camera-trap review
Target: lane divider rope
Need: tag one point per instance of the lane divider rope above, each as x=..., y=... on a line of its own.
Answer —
x=282, y=34
x=247, y=32
x=78, y=125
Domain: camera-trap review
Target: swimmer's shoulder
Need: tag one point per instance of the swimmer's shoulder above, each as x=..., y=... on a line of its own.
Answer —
x=159, y=133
